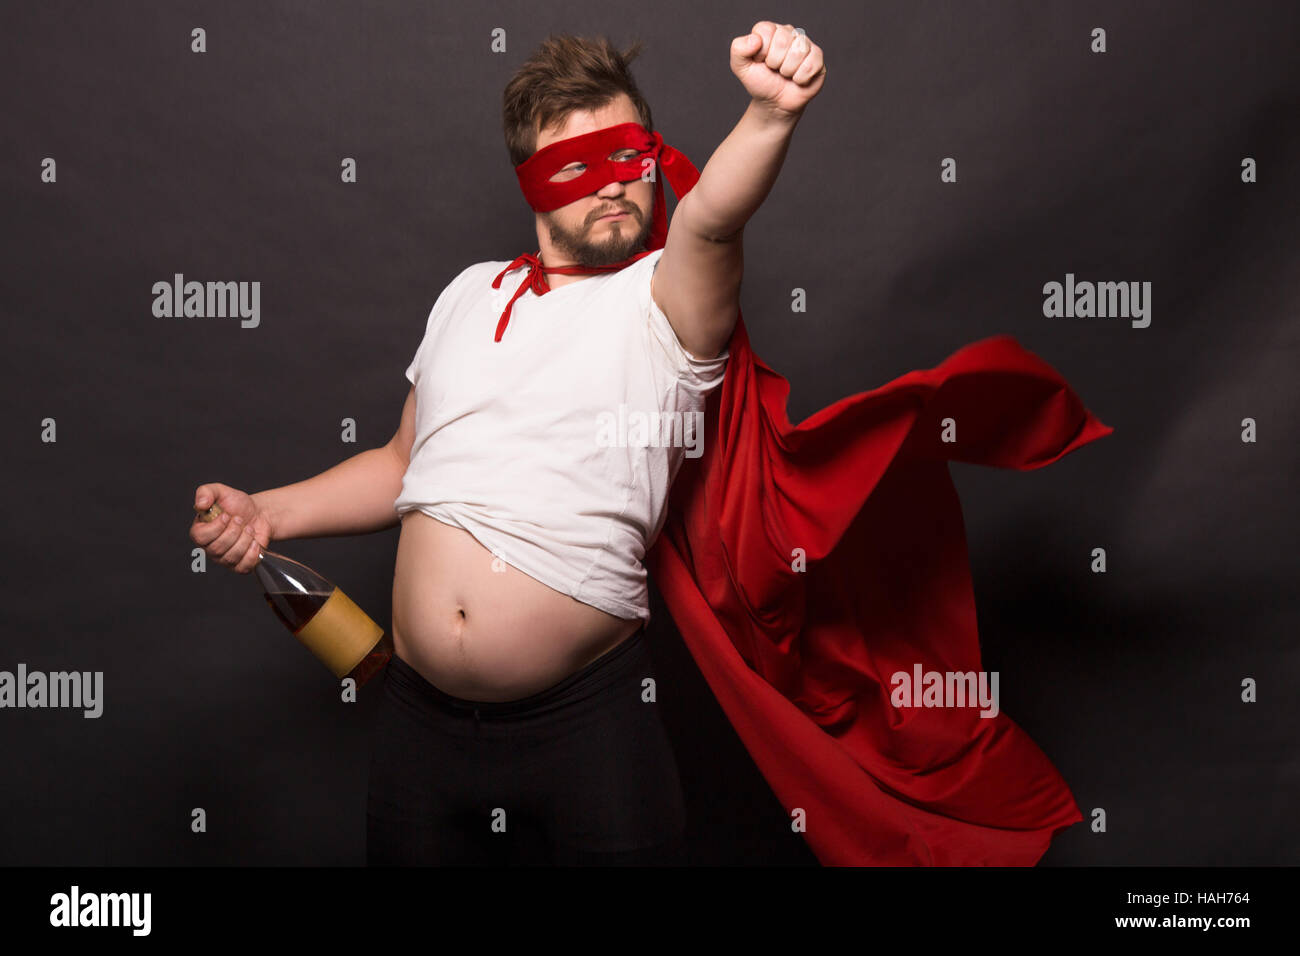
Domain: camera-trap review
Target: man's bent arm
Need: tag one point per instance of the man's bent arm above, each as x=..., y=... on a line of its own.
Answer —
x=354, y=497
x=697, y=281
x=738, y=176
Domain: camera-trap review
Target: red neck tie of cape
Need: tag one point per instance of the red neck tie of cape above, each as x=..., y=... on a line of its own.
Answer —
x=594, y=151
x=803, y=661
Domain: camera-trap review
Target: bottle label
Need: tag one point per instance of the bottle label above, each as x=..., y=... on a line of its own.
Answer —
x=340, y=634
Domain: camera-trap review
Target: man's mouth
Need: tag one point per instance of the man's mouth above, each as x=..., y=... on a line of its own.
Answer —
x=613, y=216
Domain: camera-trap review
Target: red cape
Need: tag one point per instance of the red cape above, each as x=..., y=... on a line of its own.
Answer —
x=801, y=661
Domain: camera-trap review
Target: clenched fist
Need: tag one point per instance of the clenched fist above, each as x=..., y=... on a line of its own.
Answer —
x=233, y=538
x=779, y=68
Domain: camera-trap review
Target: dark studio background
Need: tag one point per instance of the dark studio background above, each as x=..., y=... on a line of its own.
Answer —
x=1123, y=166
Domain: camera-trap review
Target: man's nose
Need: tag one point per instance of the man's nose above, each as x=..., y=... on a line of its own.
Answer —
x=612, y=190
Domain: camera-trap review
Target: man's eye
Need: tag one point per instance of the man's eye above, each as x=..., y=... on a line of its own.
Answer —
x=569, y=172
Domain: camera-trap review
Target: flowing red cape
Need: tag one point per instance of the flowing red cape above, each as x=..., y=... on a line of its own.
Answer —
x=801, y=660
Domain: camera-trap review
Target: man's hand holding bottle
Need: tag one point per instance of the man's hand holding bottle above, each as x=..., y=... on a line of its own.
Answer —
x=235, y=537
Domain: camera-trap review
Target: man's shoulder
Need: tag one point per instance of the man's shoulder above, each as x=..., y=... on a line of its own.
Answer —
x=480, y=273
x=649, y=261
x=472, y=281
x=640, y=271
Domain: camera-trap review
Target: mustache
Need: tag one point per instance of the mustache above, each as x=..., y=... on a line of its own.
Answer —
x=630, y=210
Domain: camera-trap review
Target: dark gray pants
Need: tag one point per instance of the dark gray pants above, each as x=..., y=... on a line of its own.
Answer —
x=580, y=773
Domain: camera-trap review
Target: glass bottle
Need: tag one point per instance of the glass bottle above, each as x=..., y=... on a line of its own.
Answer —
x=324, y=619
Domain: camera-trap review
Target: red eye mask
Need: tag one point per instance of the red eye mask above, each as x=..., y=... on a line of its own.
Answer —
x=594, y=151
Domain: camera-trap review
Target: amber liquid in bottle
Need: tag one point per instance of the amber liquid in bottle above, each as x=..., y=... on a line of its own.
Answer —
x=299, y=609
x=320, y=615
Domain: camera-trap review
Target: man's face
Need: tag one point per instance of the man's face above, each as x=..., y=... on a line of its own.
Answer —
x=584, y=230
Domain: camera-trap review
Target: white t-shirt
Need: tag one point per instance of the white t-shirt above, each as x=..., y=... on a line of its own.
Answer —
x=556, y=446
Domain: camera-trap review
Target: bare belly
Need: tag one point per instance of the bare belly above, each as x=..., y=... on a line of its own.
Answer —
x=485, y=634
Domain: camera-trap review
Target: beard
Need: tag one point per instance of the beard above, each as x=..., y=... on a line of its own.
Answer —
x=625, y=239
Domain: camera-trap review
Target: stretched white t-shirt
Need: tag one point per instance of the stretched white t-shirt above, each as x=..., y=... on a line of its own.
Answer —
x=556, y=446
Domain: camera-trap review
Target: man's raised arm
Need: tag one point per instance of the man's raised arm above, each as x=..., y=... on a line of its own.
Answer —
x=697, y=281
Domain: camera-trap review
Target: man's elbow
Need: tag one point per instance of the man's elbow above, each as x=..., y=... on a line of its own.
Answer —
x=694, y=216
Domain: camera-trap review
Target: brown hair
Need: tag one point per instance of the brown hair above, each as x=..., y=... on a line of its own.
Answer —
x=566, y=73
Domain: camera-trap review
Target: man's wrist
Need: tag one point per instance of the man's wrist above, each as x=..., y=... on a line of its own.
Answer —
x=274, y=516
x=772, y=117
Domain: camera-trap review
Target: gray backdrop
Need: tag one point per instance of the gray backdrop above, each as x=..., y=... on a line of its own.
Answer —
x=1122, y=166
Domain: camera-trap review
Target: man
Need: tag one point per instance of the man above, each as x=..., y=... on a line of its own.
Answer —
x=517, y=722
